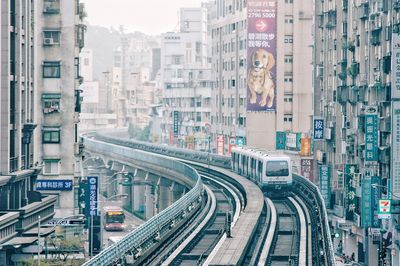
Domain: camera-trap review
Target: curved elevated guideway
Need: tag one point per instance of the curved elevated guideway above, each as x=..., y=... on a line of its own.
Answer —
x=251, y=240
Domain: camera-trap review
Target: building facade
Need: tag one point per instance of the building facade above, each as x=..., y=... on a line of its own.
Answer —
x=186, y=80
x=59, y=35
x=356, y=93
x=233, y=120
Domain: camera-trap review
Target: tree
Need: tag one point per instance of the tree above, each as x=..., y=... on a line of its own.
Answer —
x=66, y=246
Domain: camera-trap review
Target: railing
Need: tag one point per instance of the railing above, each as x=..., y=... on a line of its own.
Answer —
x=137, y=241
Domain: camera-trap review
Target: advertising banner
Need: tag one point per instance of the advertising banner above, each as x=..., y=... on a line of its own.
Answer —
x=375, y=195
x=325, y=184
x=261, y=55
x=305, y=146
x=92, y=196
x=240, y=141
x=176, y=124
x=42, y=184
x=280, y=140
x=395, y=65
x=318, y=128
x=371, y=134
x=291, y=141
x=349, y=170
x=366, y=203
x=220, y=145
x=395, y=149
x=307, y=168
x=232, y=143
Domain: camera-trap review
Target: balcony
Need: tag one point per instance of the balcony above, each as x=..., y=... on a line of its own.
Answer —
x=28, y=215
x=8, y=221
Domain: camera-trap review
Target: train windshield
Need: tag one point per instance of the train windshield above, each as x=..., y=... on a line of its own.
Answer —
x=277, y=168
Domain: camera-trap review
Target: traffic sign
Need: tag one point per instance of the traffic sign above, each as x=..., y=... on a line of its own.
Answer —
x=384, y=209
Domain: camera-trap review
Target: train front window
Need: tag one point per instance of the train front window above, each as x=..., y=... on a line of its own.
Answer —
x=277, y=168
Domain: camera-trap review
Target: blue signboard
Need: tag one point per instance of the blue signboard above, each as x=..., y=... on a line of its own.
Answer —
x=240, y=141
x=280, y=140
x=318, y=128
x=325, y=184
x=176, y=124
x=42, y=184
x=366, y=203
x=92, y=196
x=371, y=134
x=375, y=196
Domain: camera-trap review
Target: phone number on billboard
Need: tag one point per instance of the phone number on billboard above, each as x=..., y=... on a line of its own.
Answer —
x=261, y=15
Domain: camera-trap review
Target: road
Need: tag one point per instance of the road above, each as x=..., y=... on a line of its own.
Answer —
x=131, y=221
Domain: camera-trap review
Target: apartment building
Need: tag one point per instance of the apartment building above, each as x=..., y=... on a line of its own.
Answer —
x=356, y=93
x=59, y=34
x=228, y=52
x=236, y=119
x=186, y=80
x=20, y=204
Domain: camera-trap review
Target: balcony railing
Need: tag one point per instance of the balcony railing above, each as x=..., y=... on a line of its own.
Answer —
x=13, y=164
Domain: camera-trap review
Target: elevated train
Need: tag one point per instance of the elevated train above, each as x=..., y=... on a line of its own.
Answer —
x=271, y=171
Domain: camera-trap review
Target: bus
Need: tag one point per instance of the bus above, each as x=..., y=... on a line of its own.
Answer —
x=114, y=217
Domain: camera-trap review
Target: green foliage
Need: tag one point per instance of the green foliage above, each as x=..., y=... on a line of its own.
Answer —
x=137, y=133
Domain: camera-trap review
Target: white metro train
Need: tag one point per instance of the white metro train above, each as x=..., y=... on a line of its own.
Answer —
x=270, y=170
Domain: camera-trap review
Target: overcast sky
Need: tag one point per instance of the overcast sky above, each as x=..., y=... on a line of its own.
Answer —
x=149, y=16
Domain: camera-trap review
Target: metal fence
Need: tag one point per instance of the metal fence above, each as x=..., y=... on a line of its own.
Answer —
x=133, y=242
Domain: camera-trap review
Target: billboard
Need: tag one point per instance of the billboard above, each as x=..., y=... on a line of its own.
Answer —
x=45, y=184
x=232, y=143
x=280, y=140
x=318, y=128
x=395, y=149
x=349, y=171
x=366, y=203
x=176, y=124
x=220, y=144
x=92, y=196
x=307, y=168
x=305, y=146
x=395, y=65
x=325, y=184
x=261, y=55
x=371, y=134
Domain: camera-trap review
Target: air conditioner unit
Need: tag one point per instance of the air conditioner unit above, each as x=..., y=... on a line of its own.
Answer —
x=48, y=41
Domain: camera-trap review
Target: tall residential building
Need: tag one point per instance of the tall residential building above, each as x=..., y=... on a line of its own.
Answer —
x=285, y=38
x=20, y=204
x=356, y=61
x=228, y=49
x=185, y=76
x=59, y=35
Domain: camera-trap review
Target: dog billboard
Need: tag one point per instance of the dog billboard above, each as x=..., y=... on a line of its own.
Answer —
x=261, y=55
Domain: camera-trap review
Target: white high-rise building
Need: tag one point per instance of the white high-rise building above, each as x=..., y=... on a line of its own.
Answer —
x=185, y=75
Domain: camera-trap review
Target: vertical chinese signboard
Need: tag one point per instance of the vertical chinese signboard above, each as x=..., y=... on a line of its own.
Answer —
x=318, y=128
x=305, y=146
x=307, y=168
x=176, y=124
x=366, y=203
x=371, y=134
x=375, y=195
x=261, y=54
x=349, y=171
x=395, y=156
x=92, y=196
x=220, y=144
x=395, y=66
x=280, y=140
x=325, y=184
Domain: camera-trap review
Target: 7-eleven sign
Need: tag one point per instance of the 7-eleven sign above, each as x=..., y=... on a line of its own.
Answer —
x=384, y=209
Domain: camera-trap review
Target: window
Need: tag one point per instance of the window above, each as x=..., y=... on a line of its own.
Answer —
x=51, y=166
x=51, y=37
x=51, y=102
x=51, y=135
x=287, y=118
x=51, y=69
x=288, y=39
x=277, y=168
x=51, y=6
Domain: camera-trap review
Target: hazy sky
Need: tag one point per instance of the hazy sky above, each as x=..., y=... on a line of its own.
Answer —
x=148, y=16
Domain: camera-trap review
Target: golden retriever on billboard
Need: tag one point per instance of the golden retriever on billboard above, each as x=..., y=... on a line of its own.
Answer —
x=259, y=79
